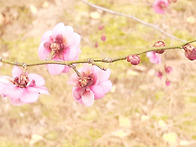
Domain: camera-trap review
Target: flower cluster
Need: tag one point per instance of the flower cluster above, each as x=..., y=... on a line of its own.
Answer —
x=59, y=44
x=167, y=70
x=89, y=83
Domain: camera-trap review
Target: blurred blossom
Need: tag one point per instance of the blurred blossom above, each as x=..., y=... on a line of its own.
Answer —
x=22, y=88
x=154, y=57
x=159, y=74
x=168, y=69
x=101, y=27
x=160, y=6
x=133, y=59
x=93, y=84
x=59, y=44
x=96, y=44
x=167, y=82
x=103, y=37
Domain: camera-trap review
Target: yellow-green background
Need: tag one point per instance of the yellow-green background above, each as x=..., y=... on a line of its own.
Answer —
x=140, y=111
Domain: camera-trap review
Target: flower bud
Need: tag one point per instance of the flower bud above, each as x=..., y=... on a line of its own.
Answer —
x=103, y=37
x=168, y=69
x=101, y=27
x=167, y=82
x=133, y=59
x=190, y=51
x=159, y=44
x=159, y=74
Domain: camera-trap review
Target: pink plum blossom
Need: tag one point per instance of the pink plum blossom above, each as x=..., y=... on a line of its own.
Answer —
x=154, y=57
x=59, y=44
x=160, y=6
x=22, y=88
x=91, y=85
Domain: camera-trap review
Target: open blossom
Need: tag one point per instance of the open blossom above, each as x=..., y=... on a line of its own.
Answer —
x=22, y=88
x=160, y=6
x=59, y=44
x=154, y=57
x=93, y=84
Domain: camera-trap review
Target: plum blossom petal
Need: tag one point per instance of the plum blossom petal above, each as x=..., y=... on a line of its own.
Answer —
x=66, y=69
x=46, y=36
x=77, y=93
x=55, y=69
x=101, y=75
x=154, y=57
x=40, y=90
x=16, y=71
x=101, y=89
x=43, y=52
x=73, y=80
x=13, y=91
x=88, y=98
x=29, y=97
x=16, y=102
x=37, y=78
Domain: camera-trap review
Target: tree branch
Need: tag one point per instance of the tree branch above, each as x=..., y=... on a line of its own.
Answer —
x=133, y=18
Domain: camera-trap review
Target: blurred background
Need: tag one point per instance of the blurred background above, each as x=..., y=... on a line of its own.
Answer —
x=140, y=110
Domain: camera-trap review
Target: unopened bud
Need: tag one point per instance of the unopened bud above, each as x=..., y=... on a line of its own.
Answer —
x=190, y=51
x=168, y=69
x=103, y=37
x=101, y=27
x=159, y=74
x=167, y=82
x=133, y=59
x=159, y=44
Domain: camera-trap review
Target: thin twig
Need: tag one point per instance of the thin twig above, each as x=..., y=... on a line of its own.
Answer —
x=93, y=61
x=133, y=18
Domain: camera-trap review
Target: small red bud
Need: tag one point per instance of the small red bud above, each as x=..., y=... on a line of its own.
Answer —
x=159, y=44
x=101, y=27
x=190, y=51
x=96, y=44
x=167, y=82
x=159, y=74
x=168, y=69
x=103, y=37
x=133, y=59
x=160, y=51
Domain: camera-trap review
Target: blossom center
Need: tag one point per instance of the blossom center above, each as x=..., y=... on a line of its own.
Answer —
x=57, y=45
x=86, y=80
x=21, y=81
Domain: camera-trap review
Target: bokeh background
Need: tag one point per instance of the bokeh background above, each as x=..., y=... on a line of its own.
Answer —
x=140, y=110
